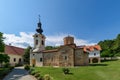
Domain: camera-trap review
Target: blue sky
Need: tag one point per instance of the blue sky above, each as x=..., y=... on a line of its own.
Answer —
x=87, y=20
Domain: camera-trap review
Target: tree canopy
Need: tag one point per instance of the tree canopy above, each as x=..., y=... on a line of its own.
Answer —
x=26, y=56
x=4, y=58
x=51, y=47
x=110, y=48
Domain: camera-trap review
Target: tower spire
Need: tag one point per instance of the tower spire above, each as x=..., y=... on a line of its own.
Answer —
x=39, y=28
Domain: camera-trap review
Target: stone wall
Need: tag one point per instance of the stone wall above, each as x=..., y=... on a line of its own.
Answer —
x=66, y=56
x=51, y=59
x=63, y=57
x=81, y=58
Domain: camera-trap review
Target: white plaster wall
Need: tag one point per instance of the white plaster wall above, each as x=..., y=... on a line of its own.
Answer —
x=91, y=53
x=17, y=59
x=40, y=38
x=37, y=57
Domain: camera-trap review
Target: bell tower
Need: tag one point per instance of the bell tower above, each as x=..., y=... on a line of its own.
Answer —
x=39, y=38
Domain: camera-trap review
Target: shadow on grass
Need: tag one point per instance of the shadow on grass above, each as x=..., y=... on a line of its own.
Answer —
x=98, y=64
x=69, y=74
x=109, y=60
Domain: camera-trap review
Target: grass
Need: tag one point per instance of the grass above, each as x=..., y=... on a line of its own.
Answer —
x=109, y=70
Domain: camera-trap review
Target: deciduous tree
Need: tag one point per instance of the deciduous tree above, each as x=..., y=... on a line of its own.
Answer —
x=26, y=56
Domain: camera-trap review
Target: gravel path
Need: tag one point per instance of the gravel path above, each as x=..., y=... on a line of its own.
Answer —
x=19, y=73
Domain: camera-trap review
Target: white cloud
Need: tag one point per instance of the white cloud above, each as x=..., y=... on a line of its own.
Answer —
x=26, y=39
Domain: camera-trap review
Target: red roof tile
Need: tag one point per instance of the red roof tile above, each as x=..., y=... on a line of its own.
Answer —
x=92, y=48
x=14, y=50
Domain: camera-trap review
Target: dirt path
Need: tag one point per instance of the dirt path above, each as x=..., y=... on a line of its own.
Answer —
x=19, y=73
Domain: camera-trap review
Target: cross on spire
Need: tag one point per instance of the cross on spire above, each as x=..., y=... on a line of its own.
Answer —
x=39, y=17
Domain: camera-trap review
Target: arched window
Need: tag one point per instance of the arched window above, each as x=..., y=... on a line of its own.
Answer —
x=42, y=42
x=20, y=60
x=14, y=59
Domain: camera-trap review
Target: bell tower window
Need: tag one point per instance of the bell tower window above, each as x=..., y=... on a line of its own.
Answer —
x=42, y=42
x=36, y=42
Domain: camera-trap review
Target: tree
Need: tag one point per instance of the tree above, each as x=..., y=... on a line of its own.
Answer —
x=110, y=48
x=105, y=53
x=26, y=56
x=4, y=58
x=106, y=44
x=51, y=47
x=2, y=45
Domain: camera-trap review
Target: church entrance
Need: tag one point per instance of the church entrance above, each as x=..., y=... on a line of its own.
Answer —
x=33, y=62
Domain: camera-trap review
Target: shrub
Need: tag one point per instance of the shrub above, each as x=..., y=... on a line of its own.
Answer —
x=11, y=67
x=6, y=65
x=40, y=78
x=66, y=70
x=47, y=77
x=27, y=67
x=33, y=65
x=31, y=71
x=4, y=72
x=18, y=64
x=37, y=75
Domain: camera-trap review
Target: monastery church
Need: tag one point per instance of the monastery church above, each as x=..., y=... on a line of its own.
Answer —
x=67, y=54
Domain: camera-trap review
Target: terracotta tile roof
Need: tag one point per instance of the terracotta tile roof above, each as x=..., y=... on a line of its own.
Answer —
x=14, y=50
x=53, y=50
x=92, y=48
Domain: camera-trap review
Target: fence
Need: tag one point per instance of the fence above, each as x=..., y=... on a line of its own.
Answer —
x=110, y=58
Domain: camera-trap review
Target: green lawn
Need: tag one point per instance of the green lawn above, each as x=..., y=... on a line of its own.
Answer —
x=109, y=70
